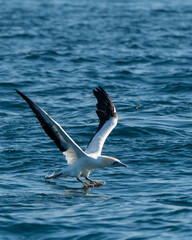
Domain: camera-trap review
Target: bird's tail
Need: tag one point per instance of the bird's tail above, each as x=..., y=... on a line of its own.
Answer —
x=54, y=175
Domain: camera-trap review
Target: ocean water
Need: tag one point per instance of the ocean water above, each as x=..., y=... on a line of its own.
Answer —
x=56, y=52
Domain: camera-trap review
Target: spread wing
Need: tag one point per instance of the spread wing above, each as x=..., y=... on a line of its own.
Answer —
x=107, y=121
x=63, y=141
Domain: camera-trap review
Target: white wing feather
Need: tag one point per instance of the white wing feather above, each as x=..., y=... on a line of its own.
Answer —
x=96, y=144
x=107, y=121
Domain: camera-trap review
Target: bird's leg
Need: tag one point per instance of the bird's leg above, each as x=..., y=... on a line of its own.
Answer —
x=87, y=185
x=95, y=183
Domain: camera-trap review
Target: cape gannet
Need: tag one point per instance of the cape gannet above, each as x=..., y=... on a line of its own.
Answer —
x=80, y=163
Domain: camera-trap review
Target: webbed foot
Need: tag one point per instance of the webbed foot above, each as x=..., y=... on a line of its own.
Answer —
x=95, y=183
x=87, y=185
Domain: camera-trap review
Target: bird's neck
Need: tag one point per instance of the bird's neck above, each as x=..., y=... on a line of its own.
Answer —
x=101, y=162
x=95, y=163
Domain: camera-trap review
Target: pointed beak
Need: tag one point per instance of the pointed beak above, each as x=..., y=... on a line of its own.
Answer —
x=119, y=164
x=124, y=165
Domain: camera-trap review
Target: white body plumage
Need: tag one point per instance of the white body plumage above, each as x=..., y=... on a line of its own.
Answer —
x=81, y=162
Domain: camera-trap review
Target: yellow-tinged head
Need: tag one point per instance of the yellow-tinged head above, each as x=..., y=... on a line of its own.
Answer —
x=112, y=162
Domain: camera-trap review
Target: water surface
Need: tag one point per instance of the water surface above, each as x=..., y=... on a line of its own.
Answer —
x=56, y=52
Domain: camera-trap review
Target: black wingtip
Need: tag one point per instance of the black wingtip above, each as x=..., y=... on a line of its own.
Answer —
x=20, y=93
x=105, y=108
x=16, y=90
x=28, y=100
x=99, y=89
x=40, y=114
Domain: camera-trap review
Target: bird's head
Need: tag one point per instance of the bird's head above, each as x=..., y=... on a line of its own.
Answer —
x=112, y=162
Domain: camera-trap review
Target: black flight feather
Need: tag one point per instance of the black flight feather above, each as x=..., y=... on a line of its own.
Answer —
x=47, y=128
x=105, y=108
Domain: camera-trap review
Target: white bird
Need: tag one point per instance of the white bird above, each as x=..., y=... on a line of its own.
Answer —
x=80, y=163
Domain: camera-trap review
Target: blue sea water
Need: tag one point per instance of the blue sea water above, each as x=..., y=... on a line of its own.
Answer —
x=56, y=52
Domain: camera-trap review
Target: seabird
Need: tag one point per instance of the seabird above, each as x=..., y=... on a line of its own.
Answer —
x=80, y=163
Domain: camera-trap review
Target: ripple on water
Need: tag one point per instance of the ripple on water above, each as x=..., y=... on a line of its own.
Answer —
x=56, y=53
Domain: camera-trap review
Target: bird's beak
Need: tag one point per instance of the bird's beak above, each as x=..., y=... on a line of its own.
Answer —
x=119, y=164
x=124, y=165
